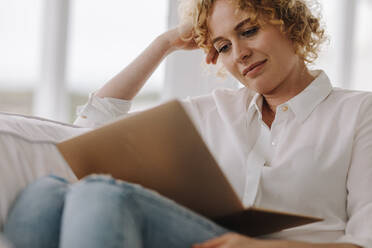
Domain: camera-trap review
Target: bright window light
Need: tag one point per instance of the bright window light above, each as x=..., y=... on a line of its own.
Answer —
x=105, y=36
x=20, y=32
x=363, y=47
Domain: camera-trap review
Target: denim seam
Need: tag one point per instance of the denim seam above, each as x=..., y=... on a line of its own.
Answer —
x=143, y=224
x=58, y=178
x=129, y=196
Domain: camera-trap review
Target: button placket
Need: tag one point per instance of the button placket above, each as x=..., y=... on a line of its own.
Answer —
x=274, y=136
x=252, y=183
x=280, y=120
x=254, y=164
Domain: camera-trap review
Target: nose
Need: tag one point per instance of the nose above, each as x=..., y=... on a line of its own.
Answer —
x=242, y=52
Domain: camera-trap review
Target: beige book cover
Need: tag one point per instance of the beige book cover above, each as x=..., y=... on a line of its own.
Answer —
x=161, y=149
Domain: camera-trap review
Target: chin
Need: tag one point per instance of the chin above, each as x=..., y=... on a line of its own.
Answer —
x=261, y=87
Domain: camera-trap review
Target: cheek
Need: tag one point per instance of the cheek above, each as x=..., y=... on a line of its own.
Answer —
x=282, y=57
x=286, y=60
x=284, y=52
x=227, y=62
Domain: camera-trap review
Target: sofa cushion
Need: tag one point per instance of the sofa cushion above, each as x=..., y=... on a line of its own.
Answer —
x=28, y=152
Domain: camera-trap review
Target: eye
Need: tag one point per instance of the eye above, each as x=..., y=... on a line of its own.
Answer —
x=223, y=48
x=250, y=32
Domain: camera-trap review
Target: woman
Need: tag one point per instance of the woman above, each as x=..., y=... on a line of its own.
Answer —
x=287, y=140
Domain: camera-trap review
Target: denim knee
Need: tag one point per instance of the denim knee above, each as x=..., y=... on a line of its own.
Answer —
x=143, y=199
x=146, y=201
x=35, y=218
x=101, y=211
x=130, y=215
x=102, y=190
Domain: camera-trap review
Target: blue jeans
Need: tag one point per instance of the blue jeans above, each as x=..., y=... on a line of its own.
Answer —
x=100, y=211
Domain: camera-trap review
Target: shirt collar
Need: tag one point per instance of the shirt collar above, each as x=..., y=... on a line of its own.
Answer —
x=305, y=102
x=256, y=105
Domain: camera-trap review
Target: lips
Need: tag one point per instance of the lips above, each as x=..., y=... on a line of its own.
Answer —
x=252, y=66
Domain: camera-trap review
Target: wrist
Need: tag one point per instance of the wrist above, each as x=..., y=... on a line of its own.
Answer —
x=168, y=41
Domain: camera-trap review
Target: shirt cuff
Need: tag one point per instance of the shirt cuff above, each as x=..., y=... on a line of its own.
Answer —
x=98, y=111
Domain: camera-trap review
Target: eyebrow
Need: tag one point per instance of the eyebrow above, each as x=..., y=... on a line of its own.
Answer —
x=240, y=24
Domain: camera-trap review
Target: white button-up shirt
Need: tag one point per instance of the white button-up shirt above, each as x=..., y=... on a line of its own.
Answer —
x=315, y=160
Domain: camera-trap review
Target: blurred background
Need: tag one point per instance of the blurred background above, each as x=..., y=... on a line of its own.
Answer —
x=53, y=53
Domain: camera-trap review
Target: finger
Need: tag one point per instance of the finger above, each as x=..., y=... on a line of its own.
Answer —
x=214, y=60
x=215, y=242
x=210, y=244
x=212, y=56
x=209, y=57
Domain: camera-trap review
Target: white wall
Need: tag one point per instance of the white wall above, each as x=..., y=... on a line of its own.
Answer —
x=46, y=49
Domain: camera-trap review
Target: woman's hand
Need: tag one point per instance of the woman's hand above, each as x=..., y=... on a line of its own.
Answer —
x=127, y=83
x=234, y=240
x=212, y=56
x=182, y=38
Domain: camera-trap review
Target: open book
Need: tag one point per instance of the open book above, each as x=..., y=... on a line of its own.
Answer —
x=161, y=149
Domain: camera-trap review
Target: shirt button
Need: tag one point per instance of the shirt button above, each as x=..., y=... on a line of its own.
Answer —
x=284, y=108
x=273, y=143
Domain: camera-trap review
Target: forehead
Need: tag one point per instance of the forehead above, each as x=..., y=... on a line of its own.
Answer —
x=224, y=17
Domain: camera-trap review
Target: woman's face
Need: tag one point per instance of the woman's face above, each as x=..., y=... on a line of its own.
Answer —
x=261, y=58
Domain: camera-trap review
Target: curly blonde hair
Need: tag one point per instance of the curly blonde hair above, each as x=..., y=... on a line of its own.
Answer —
x=294, y=17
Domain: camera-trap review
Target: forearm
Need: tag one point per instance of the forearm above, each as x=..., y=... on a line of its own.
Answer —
x=127, y=83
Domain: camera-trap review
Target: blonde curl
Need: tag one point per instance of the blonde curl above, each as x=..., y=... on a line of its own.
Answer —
x=294, y=17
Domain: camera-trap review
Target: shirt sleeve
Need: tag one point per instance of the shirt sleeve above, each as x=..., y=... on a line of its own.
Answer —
x=98, y=111
x=359, y=182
